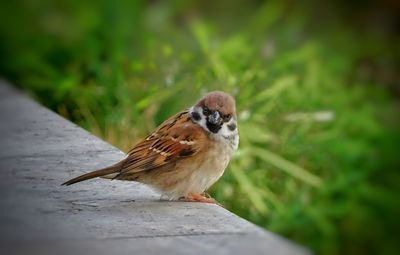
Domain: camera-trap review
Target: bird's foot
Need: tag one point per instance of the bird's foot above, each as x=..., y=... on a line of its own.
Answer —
x=205, y=194
x=199, y=198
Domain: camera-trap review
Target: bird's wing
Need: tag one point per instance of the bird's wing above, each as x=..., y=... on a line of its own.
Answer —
x=176, y=138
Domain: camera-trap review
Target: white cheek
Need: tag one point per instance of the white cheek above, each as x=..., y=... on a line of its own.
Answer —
x=224, y=131
x=231, y=135
x=202, y=121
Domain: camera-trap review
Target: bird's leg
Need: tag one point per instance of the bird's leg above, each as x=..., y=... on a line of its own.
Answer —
x=195, y=197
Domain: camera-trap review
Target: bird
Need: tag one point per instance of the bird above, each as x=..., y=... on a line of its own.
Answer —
x=185, y=155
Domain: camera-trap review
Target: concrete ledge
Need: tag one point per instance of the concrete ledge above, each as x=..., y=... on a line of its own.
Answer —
x=39, y=150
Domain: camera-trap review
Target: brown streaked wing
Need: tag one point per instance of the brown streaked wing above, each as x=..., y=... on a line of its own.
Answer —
x=176, y=138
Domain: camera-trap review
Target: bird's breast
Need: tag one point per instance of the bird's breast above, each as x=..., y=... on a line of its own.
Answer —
x=197, y=174
x=208, y=168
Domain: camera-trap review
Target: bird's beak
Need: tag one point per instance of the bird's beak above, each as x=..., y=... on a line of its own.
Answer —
x=215, y=118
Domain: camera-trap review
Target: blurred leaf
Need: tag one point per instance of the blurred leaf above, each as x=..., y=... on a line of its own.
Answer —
x=287, y=166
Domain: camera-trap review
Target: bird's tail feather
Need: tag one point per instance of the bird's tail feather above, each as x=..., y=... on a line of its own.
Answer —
x=105, y=172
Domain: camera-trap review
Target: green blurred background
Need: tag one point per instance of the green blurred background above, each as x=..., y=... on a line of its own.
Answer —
x=317, y=85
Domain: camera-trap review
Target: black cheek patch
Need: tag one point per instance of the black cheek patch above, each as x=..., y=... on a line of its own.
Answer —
x=196, y=116
x=232, y=126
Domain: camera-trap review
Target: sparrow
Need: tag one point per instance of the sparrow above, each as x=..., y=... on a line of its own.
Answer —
x=185, y=155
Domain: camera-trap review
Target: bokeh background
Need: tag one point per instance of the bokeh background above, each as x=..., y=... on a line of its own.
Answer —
x=317, y=85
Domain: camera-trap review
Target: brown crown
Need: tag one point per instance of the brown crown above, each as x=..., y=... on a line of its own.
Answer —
x=219, y=101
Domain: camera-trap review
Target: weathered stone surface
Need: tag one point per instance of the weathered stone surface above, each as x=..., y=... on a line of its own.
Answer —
x=39, y=150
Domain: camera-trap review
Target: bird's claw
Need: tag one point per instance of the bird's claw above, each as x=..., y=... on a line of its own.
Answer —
x=202, y=198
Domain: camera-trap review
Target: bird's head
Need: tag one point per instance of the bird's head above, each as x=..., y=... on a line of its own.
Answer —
x=216, y=113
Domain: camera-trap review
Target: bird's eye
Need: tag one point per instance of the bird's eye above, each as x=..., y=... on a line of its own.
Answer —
x=206, y=111
x=227, y=117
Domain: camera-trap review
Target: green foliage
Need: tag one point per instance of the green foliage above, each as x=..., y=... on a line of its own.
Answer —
x=319, y=128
